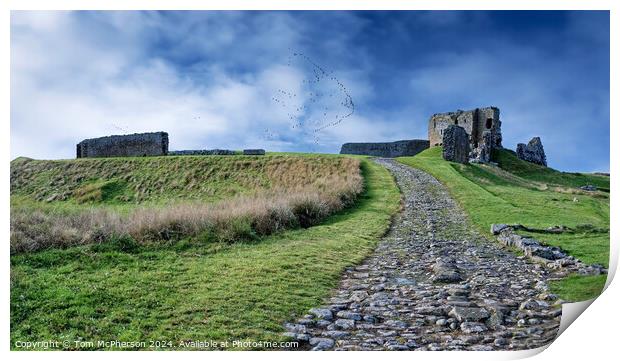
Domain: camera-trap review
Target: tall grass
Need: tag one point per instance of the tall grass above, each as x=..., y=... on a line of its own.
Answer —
x=295, y=203
x=161, y=179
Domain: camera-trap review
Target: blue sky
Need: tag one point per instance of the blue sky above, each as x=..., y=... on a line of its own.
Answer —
x=211, y=79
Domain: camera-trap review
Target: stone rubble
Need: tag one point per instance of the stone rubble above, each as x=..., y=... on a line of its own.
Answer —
x=434, y=283
x=553, y=257
x=588, y=188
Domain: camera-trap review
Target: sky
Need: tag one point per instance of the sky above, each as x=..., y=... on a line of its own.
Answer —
x=308, y=81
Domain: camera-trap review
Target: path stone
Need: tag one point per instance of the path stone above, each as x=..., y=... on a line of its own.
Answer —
x=434, y=283
x=473, y=327
x=323, y=313
x=321, y=343
x=469, y=313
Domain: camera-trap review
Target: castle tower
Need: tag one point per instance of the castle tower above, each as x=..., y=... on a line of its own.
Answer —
x=476, y=123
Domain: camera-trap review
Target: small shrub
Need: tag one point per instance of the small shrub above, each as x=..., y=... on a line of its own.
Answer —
x=274, y=219
x=309, y=211
x=235, y=230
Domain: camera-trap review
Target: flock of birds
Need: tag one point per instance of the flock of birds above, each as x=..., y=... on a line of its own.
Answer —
x=117, y=127
x=323, y=100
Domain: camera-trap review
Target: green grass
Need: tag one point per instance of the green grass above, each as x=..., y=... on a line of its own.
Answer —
x=538, y=197
x=194, y=290
x=126, y=182
x=534, y=172
x=579, y=288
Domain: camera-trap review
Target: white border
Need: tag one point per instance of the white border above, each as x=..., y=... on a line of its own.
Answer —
x=592, y=335
x=311, y=5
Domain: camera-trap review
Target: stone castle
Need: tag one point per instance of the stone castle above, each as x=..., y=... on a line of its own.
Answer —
x=465, y=135
x=476, y=123
x=482, y=125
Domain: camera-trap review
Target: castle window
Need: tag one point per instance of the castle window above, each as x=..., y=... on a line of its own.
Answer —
x=489, y=123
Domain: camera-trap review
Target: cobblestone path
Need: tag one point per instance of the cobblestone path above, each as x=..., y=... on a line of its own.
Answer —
x=433, y=283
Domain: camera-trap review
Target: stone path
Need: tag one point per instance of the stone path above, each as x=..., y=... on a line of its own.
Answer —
x=433, y=283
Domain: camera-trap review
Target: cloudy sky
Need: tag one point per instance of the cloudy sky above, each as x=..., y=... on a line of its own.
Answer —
x=285, y=81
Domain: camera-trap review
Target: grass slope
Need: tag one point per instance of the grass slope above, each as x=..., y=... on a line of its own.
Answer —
x=192, y=290
x=508, y=161
x=538, y=197
x=160, y=180
x=146, y=200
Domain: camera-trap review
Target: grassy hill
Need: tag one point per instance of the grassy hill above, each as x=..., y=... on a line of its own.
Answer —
x=128, y=200
x=533, y=172
x=162, y=180
x=285, y=228
x=194, y=288
x=535, y=196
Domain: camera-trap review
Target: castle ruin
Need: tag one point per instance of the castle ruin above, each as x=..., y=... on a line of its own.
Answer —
x=532, y=152
x=465, y=135
x=481, y=124
x=131, y=145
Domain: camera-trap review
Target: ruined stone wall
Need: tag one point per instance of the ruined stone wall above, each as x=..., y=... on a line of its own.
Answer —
x=455, y=144
x=488, y=121
x=439, y=122
x=202, y=152
x=437, y=125
x=401, y=148
x=533, y=152
x=132, y=145
x=475, y=122
x=253, y=152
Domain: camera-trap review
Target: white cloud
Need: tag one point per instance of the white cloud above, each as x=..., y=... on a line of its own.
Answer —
x=208, y=78
x=66, y=87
